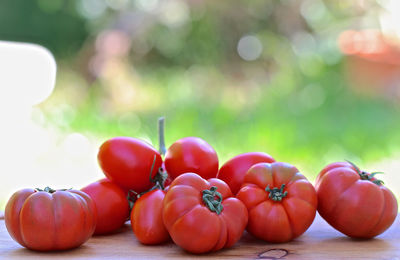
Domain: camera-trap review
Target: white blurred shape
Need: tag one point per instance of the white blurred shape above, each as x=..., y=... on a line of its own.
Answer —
x=249, y=47
x=27, y=74
x=146, y=5
x=92, y=9
x=390, y=17
x=27, y=77
x=174, y=13
x=76, y=145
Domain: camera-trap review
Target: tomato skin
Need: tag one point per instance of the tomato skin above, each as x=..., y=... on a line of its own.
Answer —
x=44, y=221
x=191, y=154
x=278, y=221
x=127, y=162
x=111, y=204
x=354, y=206
x=146, y=218
x=232, y=172
x=330, y=167
x=192, y=225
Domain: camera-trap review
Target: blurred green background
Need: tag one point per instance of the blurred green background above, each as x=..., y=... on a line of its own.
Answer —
x=243, y=75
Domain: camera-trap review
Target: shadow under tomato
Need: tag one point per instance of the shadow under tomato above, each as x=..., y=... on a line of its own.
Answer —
x=27, y=253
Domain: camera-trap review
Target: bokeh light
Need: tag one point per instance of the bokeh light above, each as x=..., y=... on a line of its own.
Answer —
x=249, y=47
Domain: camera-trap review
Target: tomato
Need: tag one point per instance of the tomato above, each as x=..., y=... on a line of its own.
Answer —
x=50, y=219
x=146, y=218
x=191, y=154
x=111, y=203
x=281, y=202
x=233, y=171
x=354, y=202
x=201, y=215
x=330, y=167
x=128, y=162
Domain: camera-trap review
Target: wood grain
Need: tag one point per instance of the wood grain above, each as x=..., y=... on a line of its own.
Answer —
x=319, y=242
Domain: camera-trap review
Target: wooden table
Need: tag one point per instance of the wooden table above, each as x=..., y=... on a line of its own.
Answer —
x=319, y=242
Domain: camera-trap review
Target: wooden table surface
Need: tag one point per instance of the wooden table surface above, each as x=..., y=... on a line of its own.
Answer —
x=319, y=242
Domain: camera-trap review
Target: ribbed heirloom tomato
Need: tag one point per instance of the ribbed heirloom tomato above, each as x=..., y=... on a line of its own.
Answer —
x=233, y=171
x=146, y=218
x=353, y=201
x=48, y=219
x=191, y=154
x=281, y=202
x=112, y=206
x=128, y=161
x=202, y=216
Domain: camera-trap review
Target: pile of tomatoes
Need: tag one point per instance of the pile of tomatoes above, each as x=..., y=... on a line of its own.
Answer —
x=185, y=196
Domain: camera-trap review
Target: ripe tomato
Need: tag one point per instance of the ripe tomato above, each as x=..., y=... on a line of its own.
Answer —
x=233, y=171
x=191, y=154
x=111, y=203
x=330, y=167
x=354, y=202
x=281, y=202
x=146, y=218
x=127, y=162
x=202, y=216
x=50, y=219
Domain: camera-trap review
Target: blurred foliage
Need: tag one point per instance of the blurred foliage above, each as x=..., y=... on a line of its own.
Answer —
x=122, y=64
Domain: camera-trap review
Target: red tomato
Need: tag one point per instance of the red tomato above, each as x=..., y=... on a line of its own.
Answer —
x=146, y=218
x=281, y=202
x=233, y=171
x=191, y=154
x=128, y=161
x=50, y=219
x=354, y=202
x=111, y=203
x=202, y=216
x=330, y=167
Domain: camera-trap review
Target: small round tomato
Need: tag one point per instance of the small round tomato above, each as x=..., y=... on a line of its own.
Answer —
x=203, y=216
x=146, y=218
x=128, y=161
x=47, y=220
x=232, y=172
x=281, y=202
x=111, y=203
x=191, y=154
x=354, y=202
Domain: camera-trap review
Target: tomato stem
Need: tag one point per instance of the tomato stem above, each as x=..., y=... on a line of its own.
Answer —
x=276, y=194
x=213, y=200
x=161, y=136
x=367, y=176
x=160, y=177
x=50, y=190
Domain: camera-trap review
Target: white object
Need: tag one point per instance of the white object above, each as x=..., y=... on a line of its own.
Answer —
x=27, y=74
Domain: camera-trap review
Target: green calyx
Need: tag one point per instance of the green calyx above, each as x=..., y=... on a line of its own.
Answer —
x=367, y=176
x=213, y=200
x=276, y=194
x=50, y=190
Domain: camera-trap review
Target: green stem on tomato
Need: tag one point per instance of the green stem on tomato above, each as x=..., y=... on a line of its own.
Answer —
x=213, y=200
x=161, y=136
x=161, y=174
x=367, y=176
x=50, y=190
x=276, y=194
